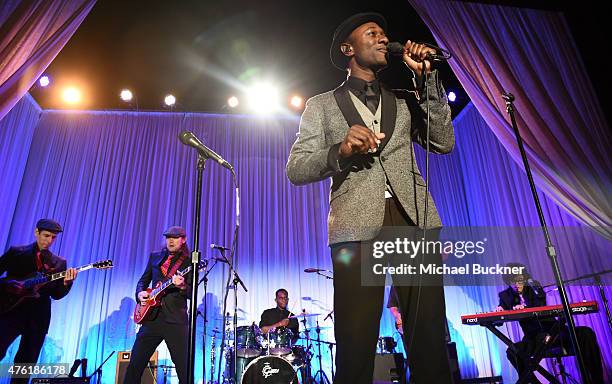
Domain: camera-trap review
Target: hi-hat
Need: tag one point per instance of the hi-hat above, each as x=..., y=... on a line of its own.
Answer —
x=230, y=317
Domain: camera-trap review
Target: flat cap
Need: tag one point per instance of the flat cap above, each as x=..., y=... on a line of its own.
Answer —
x=49, y=225
x=175, y=231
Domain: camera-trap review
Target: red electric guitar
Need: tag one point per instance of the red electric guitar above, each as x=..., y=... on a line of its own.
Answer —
x=143, y=309
x=37, y=281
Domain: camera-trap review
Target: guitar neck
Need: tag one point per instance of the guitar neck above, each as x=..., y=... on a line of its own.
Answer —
x=168, y=282
x=56, y=276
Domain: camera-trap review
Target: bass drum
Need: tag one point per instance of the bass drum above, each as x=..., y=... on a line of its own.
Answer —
x=269, y=370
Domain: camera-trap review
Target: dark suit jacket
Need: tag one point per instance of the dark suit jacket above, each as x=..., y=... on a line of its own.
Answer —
x=174, y=302
x=357, y=195
x=508, y=298
x=20, y=263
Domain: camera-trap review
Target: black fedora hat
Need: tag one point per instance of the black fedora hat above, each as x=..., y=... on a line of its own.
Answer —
x=338, y=59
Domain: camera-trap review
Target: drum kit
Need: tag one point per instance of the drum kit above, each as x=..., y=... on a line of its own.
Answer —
x=277, y=357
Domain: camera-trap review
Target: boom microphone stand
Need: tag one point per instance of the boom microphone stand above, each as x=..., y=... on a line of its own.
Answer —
x=550, y=249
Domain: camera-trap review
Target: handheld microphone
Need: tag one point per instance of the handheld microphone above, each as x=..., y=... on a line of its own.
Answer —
x=217, y=246
x=314, y=270
x=533, y=286
x=397, y=49
x=188, y=138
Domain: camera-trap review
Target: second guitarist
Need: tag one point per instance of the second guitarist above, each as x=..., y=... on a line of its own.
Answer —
x=167, y=322
x=31, y=317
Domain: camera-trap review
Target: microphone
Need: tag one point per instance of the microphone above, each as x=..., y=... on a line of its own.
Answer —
x=397, y=49
x=188, y=138
x=314, y=270
x=217, y=246
x=533, y=286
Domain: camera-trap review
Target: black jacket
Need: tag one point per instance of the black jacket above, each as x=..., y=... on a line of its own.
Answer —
x=174, y=302
x=508, y=298
x=19, y=263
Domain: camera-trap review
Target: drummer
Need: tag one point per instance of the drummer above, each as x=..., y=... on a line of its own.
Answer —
x=277, y=318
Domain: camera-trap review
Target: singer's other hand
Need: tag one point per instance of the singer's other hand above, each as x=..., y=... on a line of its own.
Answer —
x=414, y=56
x=359, y=139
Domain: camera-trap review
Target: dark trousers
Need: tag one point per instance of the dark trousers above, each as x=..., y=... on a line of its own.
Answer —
x=587, y=341
x=31, y=343
x=358, y=308
x=150, y=335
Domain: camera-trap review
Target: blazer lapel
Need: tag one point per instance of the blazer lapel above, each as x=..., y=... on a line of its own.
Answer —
x=346, y=106
x=388, y=115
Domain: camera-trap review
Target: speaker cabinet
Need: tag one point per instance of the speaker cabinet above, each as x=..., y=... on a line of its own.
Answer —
x=389, y=368
x=149, y=375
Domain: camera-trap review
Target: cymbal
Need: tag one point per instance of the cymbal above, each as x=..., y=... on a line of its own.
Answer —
x=314, y=329
x=304, y=314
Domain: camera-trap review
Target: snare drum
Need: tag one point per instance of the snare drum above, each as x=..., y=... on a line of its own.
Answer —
x=247, y=341
x=269, y=370
x=280, y=341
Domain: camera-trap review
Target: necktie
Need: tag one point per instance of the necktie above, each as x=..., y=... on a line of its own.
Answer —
x=39, y=263
x=371, y=98
x=166, y=265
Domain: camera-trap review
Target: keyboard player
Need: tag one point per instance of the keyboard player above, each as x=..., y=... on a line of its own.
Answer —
x=523, y=292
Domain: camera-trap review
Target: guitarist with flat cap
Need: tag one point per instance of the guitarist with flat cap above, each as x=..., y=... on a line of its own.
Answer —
x=168, y=321
x=30, y=317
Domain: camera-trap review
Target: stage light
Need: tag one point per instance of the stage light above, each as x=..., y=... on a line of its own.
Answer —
x=71, y=95
x=452, y=96
x=43, y=81
x=233, y=102
x=263, y=98
x=297, y=101
x=126, y=95
x=170, y=100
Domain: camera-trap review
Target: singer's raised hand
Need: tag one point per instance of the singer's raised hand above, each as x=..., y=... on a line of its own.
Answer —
x=414, y=56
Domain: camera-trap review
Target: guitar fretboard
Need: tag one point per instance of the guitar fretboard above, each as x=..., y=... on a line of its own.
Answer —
x=168, y=282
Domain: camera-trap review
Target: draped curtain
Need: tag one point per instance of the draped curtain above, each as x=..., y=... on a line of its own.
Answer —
x=32, y=33
x=116, y=180
x=532, y=54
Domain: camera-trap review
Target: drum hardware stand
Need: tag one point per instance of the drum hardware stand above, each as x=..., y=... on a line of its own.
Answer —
x=307, y=365
x=165, y=370
x=550, y=249
x=330, y=316
x=322, y=376
x=331, y=354
x=236, y=280
x=212, y=359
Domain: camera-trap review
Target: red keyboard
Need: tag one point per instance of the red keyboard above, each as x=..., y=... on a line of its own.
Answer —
x=548, y=311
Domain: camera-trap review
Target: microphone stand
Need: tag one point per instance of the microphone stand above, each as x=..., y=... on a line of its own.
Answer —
x=195, y=261
x=236, y=280
x=98, y=370
x=550, y=249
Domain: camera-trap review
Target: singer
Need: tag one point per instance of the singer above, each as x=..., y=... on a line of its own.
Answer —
x=361, y=135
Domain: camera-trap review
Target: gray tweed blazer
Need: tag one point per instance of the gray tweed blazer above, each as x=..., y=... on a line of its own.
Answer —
x=357, y=195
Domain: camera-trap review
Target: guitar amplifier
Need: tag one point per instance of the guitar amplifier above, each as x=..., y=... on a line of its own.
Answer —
x=62, y=380
x=149, y=376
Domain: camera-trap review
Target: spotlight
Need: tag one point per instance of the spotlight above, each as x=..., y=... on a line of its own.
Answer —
x=297, y=101
x=170, y=100
x=263, y=98
x=452, y=96
x=71, y=95
x=126, y=95
x=43, y=81
x=233, y=102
